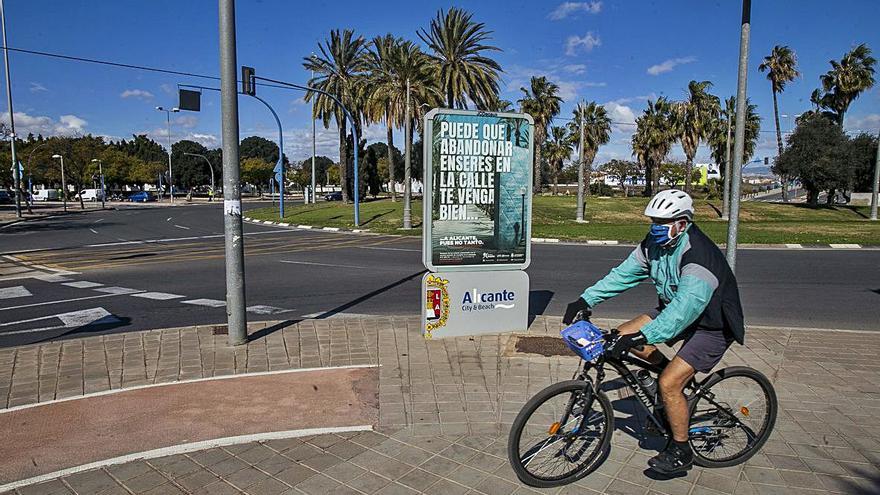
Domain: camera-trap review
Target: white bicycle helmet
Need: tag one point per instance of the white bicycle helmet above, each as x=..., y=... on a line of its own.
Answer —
x=670, y=204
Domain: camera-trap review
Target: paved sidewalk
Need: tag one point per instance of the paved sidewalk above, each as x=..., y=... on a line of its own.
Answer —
x=445, y=410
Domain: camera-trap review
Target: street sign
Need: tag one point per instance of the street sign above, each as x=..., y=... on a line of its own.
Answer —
x=478, y=191
x=189, y=100
x=473, y=303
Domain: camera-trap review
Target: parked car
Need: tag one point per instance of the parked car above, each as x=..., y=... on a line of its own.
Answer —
x=6, y=197
x=90, y=195
x=334, y=196
x=141, y=197
x=47, y=195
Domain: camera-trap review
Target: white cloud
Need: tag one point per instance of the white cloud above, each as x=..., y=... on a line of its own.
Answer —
x=630, y=99
x=136, y=93
x=45, y=125
x=622, y=117
x=575, y=42
x=668, y=65
x=167, y=88
x=37, y=87
x=867, y=123
x=567, y=8
x=206, y=140
x=186, y=121
x=575, y=68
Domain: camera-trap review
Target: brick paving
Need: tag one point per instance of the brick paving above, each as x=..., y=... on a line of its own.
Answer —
x=445, y=410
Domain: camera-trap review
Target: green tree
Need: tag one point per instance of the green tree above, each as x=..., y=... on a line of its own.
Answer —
x=718, y=134
x=693, y=119
x=817, y=154
x=458, y=45
x=541, y=101
x=655, y=134
x=191, y=171
x=781, y=68
x=143, y=148
x=259, y=147
x=256, y=171
x=340, y=70
x=863, y=153
x=370, y=179
x=846, y=80
x=499, y=105
x=557, y=150
x=621, y=170
x=597, y=132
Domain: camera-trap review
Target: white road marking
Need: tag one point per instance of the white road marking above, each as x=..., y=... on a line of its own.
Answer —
x=13, y=292
x=118, y=290
x=181, y=227
x=173, y=239
x=388, y=249
x=93, y=231
x=311, y=263
x=97, y=221
x=72, y=319
x=845, y=246
x=337, y=315
x=186, y=448
x=794, y=246
x=168, y=219
x=212, y=303
x=267, y=310
x=52, y=278
x=82, y=284
x=331, y=229
x=159, y=296
x=61, y=301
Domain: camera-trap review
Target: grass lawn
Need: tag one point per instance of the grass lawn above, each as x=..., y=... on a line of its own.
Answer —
x=618, y=219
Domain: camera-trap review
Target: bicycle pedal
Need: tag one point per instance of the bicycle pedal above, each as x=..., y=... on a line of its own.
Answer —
x=652, y=429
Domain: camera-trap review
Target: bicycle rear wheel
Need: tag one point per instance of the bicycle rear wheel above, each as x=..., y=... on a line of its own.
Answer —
x=559, y=434
x=732, y=418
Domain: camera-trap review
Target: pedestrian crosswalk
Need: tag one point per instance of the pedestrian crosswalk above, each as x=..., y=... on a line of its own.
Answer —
x=13, y=292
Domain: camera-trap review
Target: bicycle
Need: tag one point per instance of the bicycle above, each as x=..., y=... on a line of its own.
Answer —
x=576, y=431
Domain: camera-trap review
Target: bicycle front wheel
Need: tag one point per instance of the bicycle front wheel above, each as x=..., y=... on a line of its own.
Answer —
x=559, y=434
x=733, y=418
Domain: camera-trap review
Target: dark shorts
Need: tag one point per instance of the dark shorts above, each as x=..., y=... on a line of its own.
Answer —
x=702, y=348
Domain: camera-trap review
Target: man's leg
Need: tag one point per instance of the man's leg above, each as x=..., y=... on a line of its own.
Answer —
x=649, y=352
x=678, y=456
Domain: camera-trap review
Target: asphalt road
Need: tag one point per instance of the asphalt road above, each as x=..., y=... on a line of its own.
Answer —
x=160, y=267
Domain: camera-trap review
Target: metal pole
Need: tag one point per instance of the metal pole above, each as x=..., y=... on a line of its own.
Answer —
x=407, y=171
x=63, y=185
x=725, y=207
x=314, y=184
x=103, y=193
x=739, y=136
x=876, y=183
x=280, y=164
x=580, y=205
x=16, y=173
x=210, y=168
x=232, y=227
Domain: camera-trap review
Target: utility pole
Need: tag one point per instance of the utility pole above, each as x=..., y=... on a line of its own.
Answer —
x=101, y=173
x=876, y=183
x=168, y=120
x=580, y=206
x=16, y=173
x=725, y=206
x=232, y=228
x=407, y=186
x=739, y=142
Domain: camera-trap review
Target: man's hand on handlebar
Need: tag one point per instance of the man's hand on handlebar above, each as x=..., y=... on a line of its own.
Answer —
x=616, y=344
x=578, y=310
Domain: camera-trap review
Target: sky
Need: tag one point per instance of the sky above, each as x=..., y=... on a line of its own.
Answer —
x=618, y=53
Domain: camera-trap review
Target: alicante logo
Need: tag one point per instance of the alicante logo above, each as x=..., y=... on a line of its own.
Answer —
x=436, y=304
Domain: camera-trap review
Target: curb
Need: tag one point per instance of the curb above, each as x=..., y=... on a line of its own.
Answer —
x=568, y=242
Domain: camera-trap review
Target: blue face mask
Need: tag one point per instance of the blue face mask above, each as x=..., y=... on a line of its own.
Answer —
x=659, y=234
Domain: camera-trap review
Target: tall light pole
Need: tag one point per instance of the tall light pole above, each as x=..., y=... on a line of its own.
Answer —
x=168, y=120
x=728, y=174
x=739, y=135
x=211, y=168
x=101, y=173
x=407, y=186
x=16, y=172
x=314, y=148
x=581, y=185
x=63, y=182
x=876, y=183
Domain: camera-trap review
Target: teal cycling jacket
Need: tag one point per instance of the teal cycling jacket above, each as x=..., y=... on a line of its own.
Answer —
x=694, y=285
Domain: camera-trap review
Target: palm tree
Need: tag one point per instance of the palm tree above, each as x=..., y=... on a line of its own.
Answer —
x=781, y=68
x=847, y=79
x=340, y=71
x=693, y=121
x=655, y=134
x=597, y=132
x=541, y=102
x=721, y=132
x=464, y=72
x=499, y=105
x=379, y=105
x=558, y=149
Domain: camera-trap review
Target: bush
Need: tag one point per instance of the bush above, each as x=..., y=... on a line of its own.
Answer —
x=601, y=189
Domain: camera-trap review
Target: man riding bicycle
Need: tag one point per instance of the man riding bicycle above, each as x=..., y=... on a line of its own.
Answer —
x=698, y=303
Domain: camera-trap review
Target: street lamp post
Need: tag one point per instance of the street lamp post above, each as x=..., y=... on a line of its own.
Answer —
x=876, y=185
x=209, y=168
x=168, y=120
x=101, y=173
x=63, y=182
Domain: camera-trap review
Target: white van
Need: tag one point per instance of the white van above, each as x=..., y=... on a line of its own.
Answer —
x=46, y=195
x=90, y=194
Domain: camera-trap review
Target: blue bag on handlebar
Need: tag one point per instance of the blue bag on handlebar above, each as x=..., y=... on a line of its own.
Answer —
x=585, y=339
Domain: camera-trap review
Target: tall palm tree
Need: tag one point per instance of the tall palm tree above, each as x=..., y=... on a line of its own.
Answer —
x=499, y=105
x=340, y=70
x=458, y=44
x=655, y=134
x=693, y=122
x=848, y=78
x=557, y=149
x=379, y=105
x=718, y=137
x=781, y=68
x=597, y=132
x=540, y=101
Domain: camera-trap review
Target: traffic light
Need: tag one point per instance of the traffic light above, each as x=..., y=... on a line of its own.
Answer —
x=766, y=160
x=248, y=83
